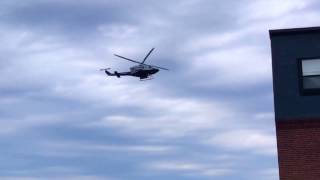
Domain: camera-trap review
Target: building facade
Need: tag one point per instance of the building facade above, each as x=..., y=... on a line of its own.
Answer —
x=296, y=84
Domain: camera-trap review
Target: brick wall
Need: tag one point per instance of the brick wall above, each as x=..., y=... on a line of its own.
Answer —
x=299, y=149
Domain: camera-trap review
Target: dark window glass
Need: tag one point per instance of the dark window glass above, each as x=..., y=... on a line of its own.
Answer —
x=311, y=82
x=311, y=75
x=311, y=67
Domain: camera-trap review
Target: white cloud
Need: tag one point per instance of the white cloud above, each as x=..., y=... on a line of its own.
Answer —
x=189, y=168
x=176, y=166
x=245, y=140
x=118, y=31
x=169, y=118
x=217, y=172
x=214, y=40
x=57, y=148
x=52, y=173
x=237, y=67
x=74, y=177
x=268, y=174
x=11, y=126
x=261, y=9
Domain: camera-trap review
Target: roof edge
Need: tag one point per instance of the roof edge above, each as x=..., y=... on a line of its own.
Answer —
x=294, y=31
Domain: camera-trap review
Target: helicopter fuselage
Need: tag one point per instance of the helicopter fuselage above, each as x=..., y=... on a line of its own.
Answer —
x=143, y=71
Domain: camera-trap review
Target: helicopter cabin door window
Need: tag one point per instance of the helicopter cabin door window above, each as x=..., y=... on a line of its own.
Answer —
x=310, y=76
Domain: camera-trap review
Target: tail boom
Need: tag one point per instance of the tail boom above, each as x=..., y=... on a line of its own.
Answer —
x=116, y=73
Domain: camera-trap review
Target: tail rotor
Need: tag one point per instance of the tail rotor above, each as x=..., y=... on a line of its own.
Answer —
x=117, y=74
x=105, y=69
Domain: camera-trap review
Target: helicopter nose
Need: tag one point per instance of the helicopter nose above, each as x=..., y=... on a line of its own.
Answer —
x=153, y=71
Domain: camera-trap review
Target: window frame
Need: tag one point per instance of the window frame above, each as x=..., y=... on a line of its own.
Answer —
x=303, y=91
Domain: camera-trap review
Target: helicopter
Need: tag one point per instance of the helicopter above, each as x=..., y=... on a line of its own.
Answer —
x=143, y=71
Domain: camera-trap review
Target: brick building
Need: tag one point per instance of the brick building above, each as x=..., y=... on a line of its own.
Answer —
x=296, y=81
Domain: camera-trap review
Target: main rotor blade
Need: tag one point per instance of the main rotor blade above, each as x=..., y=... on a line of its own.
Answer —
x=127, y=59
x=159, y=67
x=145, y=58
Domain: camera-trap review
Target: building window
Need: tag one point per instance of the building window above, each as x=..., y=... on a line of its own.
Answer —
x=310, y=73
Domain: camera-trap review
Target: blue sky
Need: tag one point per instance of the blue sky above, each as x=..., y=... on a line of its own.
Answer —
x=209, y=117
